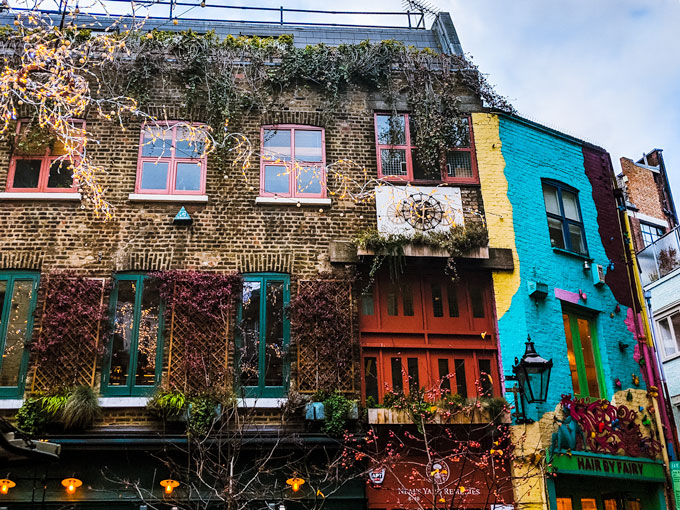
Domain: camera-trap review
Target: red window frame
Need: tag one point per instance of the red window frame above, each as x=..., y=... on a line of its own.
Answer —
x=428, y=371
x=409, y=177
x=172, y=161
x=46, y=161
x=291, y=167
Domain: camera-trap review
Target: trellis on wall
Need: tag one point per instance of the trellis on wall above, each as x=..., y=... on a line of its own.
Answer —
x=199, y=311
x=68, y=342
x=322, y=327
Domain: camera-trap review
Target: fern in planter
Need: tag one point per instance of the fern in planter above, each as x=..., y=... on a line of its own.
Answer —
x=37, y=413
x=203, y=410
x=168, y=404
x=81, y=409
x=31, y=417
x=337, y=410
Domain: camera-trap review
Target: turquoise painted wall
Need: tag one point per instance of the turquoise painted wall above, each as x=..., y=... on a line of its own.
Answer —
x=531, y=155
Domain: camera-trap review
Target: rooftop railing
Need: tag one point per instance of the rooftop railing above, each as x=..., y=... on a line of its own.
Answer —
x=660, y=258
x=213, y=11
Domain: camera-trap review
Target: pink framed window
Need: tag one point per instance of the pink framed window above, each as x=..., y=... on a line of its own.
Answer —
x=47, y=171
x=293, y=162
x=171, y=160
x=397, y=154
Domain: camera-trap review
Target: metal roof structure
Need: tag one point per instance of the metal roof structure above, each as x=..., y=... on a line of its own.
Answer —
x=307, y=27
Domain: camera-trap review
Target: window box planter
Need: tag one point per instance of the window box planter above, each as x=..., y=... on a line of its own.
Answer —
x=382, y=416
x=413, y=250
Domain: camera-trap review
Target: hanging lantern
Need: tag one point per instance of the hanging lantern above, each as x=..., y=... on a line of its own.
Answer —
x=533, y=374
x=169, y=485
x=6, y=485
x=71, y=484
x=295, y=483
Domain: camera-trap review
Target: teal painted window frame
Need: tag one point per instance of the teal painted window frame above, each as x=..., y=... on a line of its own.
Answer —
x=131, y=389
x=11, y=277
x=560, y=187
x=262, y=391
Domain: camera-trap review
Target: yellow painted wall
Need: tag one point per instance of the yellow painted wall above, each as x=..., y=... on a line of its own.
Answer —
x=497, y=206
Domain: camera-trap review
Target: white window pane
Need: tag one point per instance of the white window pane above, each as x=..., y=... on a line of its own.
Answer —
x=556, y=234
x=154, y=175
x=576, y=239
x=570, y=202
x=391, y=130
x=675, y=322
x=461, y=133
x=551, y=203
x=669, y=344
x=188, y=177
x=277, y=144
x=157, y=142
x=189, y=143
x=458, y=164
x=276, y=179
x=308, y=145
x=393, y=162
x=309, y=180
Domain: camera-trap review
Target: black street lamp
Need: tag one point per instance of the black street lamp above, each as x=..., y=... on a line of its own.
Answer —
x=533, y=374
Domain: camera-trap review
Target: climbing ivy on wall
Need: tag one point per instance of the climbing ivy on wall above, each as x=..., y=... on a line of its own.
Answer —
x=225, y=78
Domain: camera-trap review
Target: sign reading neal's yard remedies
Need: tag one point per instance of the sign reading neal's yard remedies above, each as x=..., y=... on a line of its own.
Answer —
x=607, y=465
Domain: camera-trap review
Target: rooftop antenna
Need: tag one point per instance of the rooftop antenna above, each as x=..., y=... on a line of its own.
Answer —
x=421, y=7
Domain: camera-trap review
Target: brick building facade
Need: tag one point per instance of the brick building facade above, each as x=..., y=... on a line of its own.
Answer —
x=428, y=321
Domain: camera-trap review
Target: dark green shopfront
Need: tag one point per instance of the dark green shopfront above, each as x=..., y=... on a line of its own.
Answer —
x=125, y=474
x=588, y=481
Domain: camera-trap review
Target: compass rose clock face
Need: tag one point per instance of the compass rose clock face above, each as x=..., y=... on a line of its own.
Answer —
x=421, y=211
x=409, y=209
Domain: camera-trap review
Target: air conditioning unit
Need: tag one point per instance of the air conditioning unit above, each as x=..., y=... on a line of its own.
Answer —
x=598, y=274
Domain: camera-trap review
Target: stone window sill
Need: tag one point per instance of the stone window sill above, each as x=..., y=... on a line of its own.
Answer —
x=152, y=197
x=324, y=202
x=572, y=254
x=16, y=195
x=262, y=403
x=123, y=401
x=11, y=403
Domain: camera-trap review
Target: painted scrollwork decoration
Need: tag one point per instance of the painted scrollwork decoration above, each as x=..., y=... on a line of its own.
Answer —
x=609, y=429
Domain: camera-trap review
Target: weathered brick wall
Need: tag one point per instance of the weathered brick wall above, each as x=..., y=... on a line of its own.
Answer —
x=229, y=233
x=642, y=189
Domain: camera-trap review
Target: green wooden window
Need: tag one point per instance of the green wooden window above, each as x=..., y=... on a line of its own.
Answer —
x=18, y=294
x=584, y=356
x=135, y=352
x=264, y=335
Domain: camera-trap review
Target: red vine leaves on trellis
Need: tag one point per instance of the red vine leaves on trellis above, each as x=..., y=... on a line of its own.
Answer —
x=198, y=308
x=69, y=337
x=321, y=323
